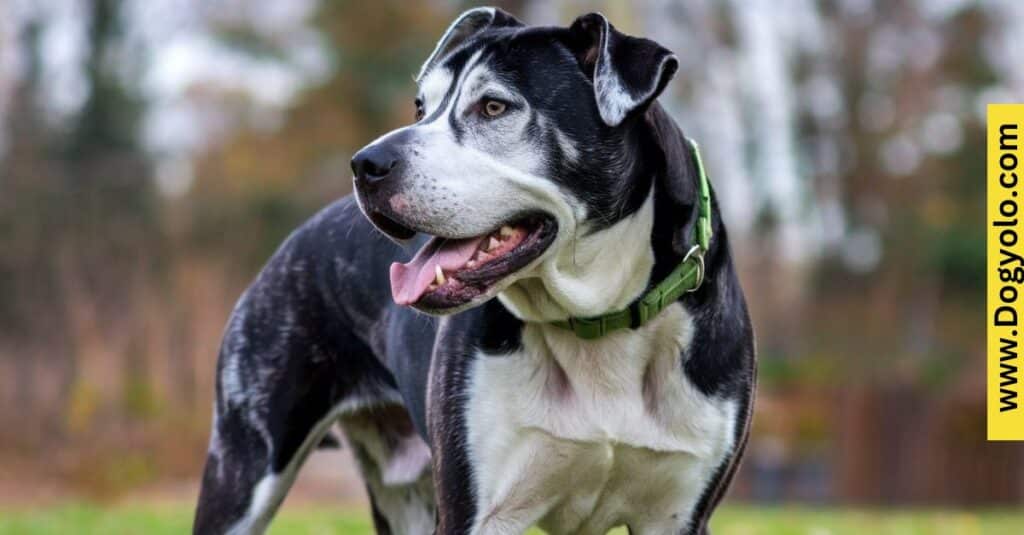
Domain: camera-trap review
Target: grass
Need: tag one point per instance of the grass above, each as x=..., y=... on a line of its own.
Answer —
x=744, y=520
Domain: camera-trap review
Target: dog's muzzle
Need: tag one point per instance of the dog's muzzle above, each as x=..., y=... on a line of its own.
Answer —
x=376, y=174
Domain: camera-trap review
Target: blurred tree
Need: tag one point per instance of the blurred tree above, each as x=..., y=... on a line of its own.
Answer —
x=78, y=217
x=253, y=190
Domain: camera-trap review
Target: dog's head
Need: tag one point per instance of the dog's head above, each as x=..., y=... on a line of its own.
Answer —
x=526, y=140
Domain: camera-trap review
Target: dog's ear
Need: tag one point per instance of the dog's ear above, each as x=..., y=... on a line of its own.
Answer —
x=628, y=72
x=465, y=26
x=676, y=179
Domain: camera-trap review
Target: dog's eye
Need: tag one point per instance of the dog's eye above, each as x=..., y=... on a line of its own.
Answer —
x=419, y=109
x=493, y=108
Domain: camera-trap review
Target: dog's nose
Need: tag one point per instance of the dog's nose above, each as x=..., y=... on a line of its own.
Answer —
x=373, y=163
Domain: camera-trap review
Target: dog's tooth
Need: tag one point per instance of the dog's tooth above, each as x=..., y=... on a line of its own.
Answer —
x=493, y=244
x=471, y=264
x=438, y=275
x=506, y=231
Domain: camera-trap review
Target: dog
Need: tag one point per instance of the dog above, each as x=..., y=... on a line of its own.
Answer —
x=477, y=320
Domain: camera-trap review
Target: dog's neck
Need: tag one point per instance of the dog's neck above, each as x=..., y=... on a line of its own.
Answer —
x=589, y=276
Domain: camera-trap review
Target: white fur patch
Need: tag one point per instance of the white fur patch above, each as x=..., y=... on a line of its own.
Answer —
x=408, y=463
x=406, y=515
x=588, y=275
x=450, y=34
x=266, y=497
x=433, y=88
x=399, y=479
x=569, y=150
x=232, y=386
x=580, y=436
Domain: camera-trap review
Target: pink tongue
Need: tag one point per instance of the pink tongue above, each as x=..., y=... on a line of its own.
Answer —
x=409, y=281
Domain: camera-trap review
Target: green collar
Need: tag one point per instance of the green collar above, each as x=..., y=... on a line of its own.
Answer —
x=686, y=277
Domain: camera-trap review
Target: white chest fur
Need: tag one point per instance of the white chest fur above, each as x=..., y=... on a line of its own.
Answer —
x=580, y=436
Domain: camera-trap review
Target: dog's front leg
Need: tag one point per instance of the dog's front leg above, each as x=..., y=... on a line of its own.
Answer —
x=510, y=502
x=447, y=399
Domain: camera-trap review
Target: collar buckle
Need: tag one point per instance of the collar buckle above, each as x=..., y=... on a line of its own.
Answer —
x=697, y=253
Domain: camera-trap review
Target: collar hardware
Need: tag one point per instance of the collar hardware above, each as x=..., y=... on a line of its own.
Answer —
x=697, y=254
x=686, y=277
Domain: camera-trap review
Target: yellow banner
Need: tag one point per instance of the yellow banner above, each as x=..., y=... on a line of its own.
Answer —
x=1005, y=272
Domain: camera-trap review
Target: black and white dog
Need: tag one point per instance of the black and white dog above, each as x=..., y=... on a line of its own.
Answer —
x=539, y=171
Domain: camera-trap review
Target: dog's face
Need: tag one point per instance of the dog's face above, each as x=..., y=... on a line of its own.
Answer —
x=525, y=139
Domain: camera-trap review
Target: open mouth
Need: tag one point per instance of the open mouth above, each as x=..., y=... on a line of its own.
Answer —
x=447, y=273
x=390, y=226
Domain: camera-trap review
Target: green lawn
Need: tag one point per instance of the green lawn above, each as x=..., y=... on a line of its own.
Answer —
x=156, y=520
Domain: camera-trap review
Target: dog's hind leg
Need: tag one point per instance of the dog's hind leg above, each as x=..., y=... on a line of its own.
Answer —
x=395, y=464
x=282, y=381
x=243, y=483
x=260, y=438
